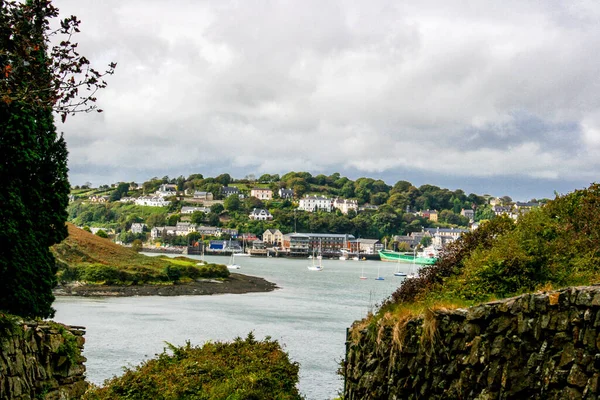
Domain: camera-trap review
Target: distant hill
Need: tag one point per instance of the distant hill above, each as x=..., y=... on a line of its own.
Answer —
x=83, y=256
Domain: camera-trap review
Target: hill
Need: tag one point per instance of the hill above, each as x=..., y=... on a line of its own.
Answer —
x=552, y=247
x=89, y=265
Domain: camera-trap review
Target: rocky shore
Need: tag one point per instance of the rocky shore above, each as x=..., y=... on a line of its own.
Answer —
x=235, y=284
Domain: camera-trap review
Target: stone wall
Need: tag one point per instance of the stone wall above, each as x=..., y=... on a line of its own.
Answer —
x=535, y=346
x=41, y=360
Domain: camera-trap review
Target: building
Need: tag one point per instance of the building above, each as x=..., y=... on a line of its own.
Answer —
x=262, y=194
x=152, y=201
x=191, y=210
x=468, y=214
x=315, y=203
x=369, y=246
x=431, y=215
x=203, y=195
x=317, y=242
x=345, y=205
x=167, y=189
x=137, y=227
x=260, y=214
x=286, y=193
x=227, y=191
x=273, y=236
x=442, y=236
x=99, y=199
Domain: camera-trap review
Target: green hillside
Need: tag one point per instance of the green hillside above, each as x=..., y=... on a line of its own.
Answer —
x=88, y=258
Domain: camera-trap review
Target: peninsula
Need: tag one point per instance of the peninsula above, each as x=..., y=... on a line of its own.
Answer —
x=89, y=265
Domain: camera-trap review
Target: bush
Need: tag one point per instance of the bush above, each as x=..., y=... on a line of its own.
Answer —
x=243, y=369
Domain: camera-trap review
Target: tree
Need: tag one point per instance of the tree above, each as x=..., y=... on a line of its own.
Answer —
x=217, y=208
x=35, y=80
x=232, y=203
x=102, y=233
x=137, y=245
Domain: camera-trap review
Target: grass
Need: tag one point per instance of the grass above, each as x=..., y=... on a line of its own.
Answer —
x=549, y=248
x=85, y=257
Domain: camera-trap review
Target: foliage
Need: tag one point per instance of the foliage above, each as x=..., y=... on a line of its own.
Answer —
x=137, y=245
x=102, y=233
x=85, y=257
x=553, y=246
x=242, y=369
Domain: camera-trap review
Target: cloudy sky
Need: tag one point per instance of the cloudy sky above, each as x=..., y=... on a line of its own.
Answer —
x=499, y=97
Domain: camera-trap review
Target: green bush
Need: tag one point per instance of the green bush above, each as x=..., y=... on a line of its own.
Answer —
x=243, y=369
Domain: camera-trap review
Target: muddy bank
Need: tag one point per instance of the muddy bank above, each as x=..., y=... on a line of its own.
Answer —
x=235, y=284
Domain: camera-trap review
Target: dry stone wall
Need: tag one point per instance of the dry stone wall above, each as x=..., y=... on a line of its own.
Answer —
x=535, y=346
x=41, y=361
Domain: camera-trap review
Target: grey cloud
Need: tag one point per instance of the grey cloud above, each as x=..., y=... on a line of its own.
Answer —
x=463, y=89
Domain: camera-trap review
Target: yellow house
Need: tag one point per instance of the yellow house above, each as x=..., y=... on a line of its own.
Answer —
x=273, y=236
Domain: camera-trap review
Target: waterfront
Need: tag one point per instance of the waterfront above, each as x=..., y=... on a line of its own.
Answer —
x=308, y=315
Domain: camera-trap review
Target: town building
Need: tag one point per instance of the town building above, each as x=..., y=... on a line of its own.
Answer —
x=191, y=210
x=315, y=203
x=286, y=193
x=167, y=189
x=273, y=237
x=369, y=246
x=317, y=242
x=203, y=195
x=227, y=191
x=262, y=194
x=137, y=227
x=345, y=205
x=152, y=201
x=260, y=214
x=431, y=215
x=468, y=214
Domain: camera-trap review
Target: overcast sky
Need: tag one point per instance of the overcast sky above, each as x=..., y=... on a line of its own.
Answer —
x=498, y=97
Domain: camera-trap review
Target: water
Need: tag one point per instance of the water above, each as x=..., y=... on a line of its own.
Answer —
x=308, y=316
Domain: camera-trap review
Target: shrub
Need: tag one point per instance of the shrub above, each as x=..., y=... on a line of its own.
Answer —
x=243, y=369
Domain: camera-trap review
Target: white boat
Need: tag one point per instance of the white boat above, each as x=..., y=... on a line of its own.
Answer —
x=362, y=275
x=398, y=272
x=232, y=264
x=315, y=267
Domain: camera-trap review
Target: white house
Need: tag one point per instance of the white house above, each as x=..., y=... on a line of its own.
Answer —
x=314, y=203
x=137, y=227
x=261, y=214
x=191, y=210
x=286, y=193
x=345, y=205
x=152, y=201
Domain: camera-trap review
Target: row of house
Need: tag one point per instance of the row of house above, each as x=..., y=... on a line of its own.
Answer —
x=259, y=193
x=514, y=210
x=440, y=237
x=313, y=203
x=185, y=228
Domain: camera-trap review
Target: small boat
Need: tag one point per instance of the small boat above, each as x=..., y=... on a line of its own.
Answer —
x=379, y=277
x=315, y=267
x=362, y=275
x=344, y=255
x=232, y=264
x=398, y=272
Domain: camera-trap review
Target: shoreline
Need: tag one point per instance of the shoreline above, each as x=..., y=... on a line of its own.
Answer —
x=235, y=284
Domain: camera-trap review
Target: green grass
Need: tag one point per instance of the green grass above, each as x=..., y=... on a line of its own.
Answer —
x=89, y=258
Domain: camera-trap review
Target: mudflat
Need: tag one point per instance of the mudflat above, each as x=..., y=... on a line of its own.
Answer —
x=234, y=284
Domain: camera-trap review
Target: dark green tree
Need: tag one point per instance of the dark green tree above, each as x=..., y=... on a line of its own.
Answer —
x=35, y=81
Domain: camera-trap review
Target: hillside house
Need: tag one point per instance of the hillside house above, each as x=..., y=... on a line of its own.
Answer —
x=203, y=195
x=315, y=203
x=345, y=205
x=286, y=193
x=262, y=194
x=227, y=191
x=260, y=214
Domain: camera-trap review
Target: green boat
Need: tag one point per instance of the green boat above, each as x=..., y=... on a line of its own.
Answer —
x=394, y=256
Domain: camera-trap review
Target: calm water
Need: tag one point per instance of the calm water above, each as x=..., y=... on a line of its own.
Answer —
x=308, y=315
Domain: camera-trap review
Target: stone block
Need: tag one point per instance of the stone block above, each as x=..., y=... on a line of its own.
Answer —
x=577, y=376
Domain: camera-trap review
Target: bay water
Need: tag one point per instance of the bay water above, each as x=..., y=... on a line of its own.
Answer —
x=308, y=315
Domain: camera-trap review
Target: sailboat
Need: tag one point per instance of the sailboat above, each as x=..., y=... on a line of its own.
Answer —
x=398, y=272
x=362, y=275
x=379, y=277
x=232, y=264
x=243, y=253
x=315, y=267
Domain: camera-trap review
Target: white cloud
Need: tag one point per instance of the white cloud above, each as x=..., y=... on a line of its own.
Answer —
x=470, y=89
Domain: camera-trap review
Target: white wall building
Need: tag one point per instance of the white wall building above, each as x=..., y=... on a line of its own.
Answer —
x=315, y=203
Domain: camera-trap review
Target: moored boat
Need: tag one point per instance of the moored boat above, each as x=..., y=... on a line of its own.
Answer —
x=394, y=256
